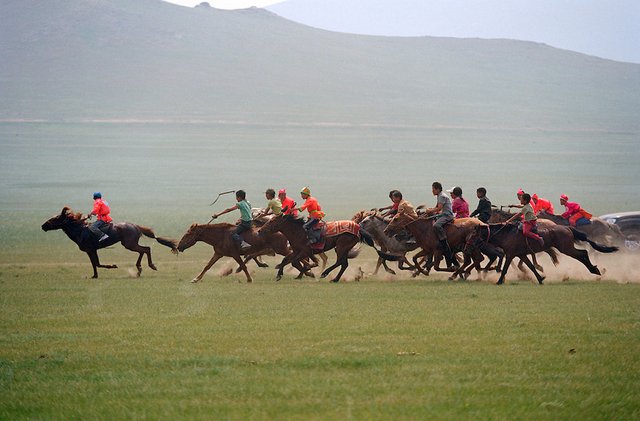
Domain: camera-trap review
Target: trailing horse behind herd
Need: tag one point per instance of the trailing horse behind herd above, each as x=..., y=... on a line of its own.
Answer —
x=285, y=235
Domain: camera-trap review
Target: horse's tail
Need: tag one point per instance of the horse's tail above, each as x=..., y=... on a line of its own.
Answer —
x=581, y=236
x=354, y=252
x=168, y=242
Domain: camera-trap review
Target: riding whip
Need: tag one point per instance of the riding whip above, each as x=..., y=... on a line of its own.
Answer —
x=221, y=194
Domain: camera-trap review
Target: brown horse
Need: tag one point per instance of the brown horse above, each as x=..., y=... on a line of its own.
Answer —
x=292, y=229
x=422, y=229
x=510, y=239
x=76, y=228
x=219, y=237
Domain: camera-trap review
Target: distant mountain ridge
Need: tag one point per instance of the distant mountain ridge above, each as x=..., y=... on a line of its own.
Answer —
x=150, y=60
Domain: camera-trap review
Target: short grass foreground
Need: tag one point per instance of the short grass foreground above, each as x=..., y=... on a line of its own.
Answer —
x=160, y=347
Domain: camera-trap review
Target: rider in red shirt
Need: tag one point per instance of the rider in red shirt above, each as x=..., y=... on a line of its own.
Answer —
x=540, y=204
x=101, y=210
x=288, y=205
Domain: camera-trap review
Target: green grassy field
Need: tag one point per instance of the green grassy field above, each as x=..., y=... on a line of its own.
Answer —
x=159, y=347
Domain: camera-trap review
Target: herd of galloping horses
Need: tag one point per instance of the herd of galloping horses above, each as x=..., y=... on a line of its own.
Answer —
x=469, y=238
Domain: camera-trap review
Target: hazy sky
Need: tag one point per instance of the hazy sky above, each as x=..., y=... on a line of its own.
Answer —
x=604, y=28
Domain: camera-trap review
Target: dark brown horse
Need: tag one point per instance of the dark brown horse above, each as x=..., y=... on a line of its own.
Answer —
x=292, y=228
x=76, y=228
x=422, y=229
x=510, y=239
x=219, y=237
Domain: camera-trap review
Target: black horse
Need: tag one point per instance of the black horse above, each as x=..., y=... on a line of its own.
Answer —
x=75, y=226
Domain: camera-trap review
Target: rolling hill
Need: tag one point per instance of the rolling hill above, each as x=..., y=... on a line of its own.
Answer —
x=149, y=60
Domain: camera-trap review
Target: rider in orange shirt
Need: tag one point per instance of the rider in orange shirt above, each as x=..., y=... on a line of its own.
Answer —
x=312, y=206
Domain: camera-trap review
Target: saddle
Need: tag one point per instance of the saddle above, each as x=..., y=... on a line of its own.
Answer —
x=316, y=235
x=534, y=229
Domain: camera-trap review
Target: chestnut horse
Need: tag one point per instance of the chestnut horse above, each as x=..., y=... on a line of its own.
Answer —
x=76, y=228
x=422, y=229
x=510, y=239
x=292, y=229
x=219, y=236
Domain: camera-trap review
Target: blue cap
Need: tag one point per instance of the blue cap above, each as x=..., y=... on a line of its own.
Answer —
x=97, y=195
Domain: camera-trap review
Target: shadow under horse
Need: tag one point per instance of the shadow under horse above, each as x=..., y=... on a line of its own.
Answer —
x=76, y=228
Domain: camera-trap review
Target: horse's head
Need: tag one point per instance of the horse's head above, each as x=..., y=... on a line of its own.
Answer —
x=361, y=215
x=397, y=224
x=189, y=238
x=478, y=235
x=272, y=225
x=61, y=220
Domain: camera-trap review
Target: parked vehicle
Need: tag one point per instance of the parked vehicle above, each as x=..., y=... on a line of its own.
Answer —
x=629, y=224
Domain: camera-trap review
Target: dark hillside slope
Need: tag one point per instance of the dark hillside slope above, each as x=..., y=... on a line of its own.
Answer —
x=146, y=59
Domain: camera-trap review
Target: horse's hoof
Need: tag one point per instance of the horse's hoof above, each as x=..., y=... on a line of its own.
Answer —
x=195, y=280
x=541, y=279
x=452, y=278
x=153, y=267
x=499, y=283
x=335, y=280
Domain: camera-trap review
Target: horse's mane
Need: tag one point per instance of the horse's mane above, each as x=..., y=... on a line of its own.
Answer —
x=502, y=228
x=75, y=217
x=360, y=215
x=501, y=213
x=220, y=225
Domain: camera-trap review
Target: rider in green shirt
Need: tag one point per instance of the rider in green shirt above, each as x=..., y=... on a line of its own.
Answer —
x=245, y=218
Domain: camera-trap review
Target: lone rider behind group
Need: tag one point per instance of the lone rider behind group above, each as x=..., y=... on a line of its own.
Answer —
x=530, y=219
x=443, y=214
x=245, y=218
x=315, y=212
x=574, y=212
x=288, y=204
x=101, y=210
x=483, y=211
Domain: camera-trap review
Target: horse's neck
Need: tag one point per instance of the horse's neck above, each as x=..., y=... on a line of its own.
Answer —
x=74, y=232
x=293, y=231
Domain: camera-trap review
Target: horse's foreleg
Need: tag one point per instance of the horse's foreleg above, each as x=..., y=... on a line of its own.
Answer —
x=239, y=260
x=93, y=257
x=531, y=266
x=507, y=262
x=535, y=262
x=213, y=260
x=324, y=258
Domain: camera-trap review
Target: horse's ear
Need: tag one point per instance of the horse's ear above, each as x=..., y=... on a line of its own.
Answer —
x=65, y=210
x=193, y=225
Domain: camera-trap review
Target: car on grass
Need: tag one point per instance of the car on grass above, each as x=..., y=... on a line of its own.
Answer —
x=629, y=224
